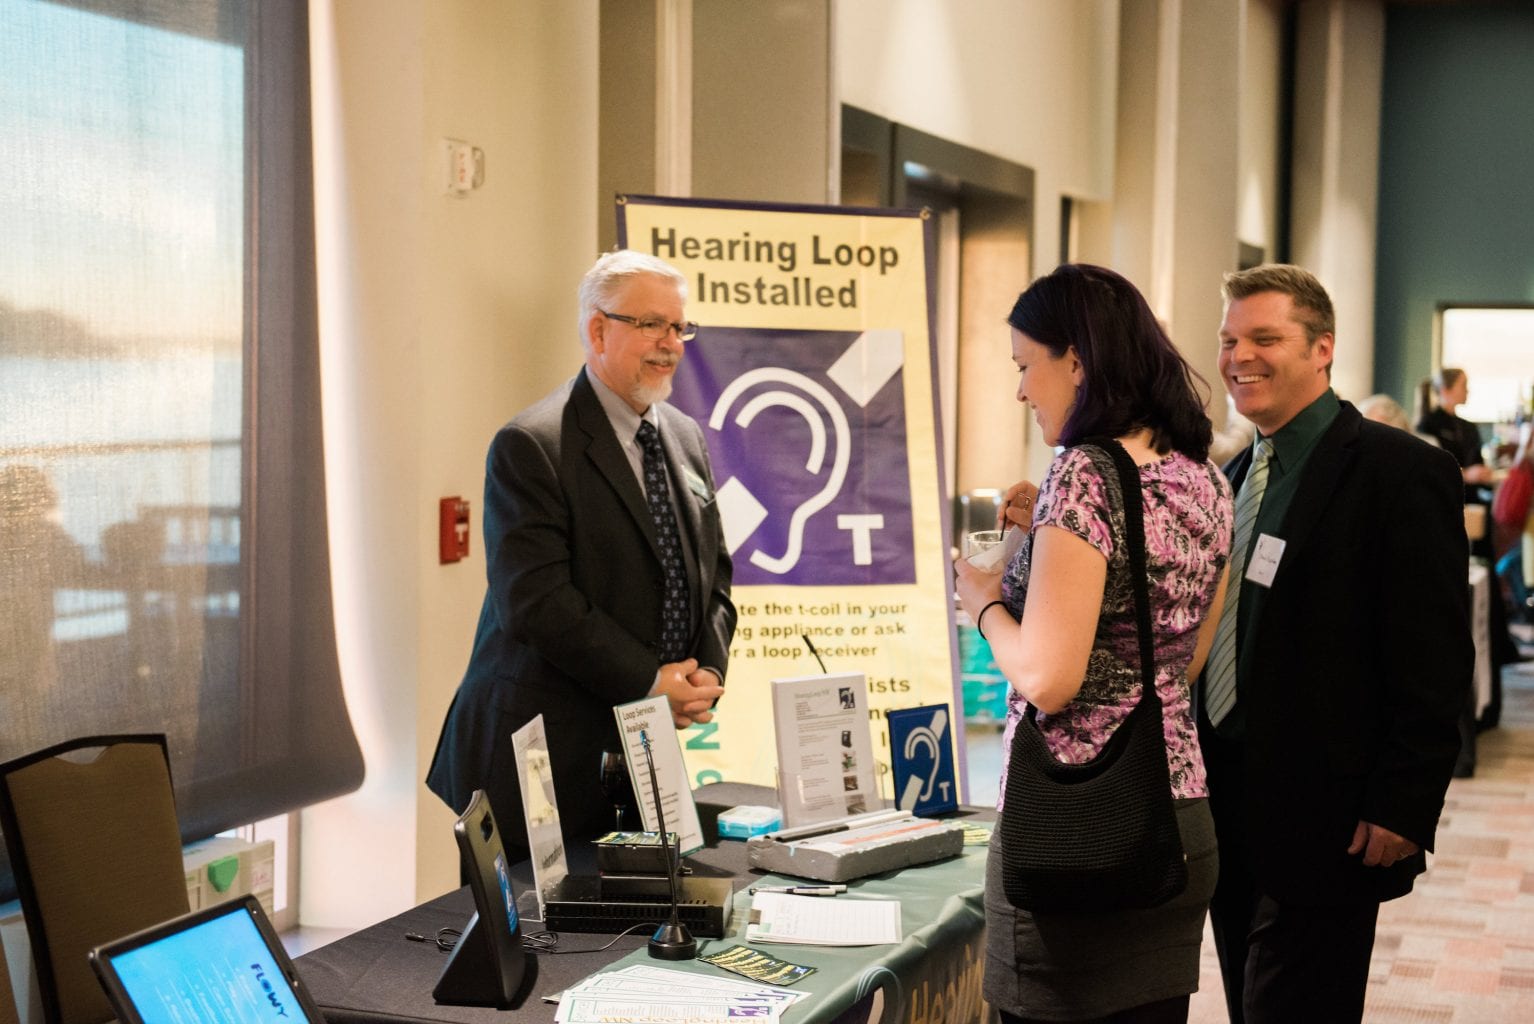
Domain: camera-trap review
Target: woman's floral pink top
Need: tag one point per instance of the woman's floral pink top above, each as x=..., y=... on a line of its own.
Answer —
x=1188, y=521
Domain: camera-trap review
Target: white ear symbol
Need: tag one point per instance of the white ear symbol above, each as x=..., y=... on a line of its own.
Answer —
x=817, y=418
x=930, y=737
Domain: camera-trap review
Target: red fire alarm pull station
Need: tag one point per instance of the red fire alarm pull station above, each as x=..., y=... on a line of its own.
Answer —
x=453, y=542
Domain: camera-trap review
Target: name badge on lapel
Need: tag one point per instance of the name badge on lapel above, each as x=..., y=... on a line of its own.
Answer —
x=1265, y=556
x=696, y=484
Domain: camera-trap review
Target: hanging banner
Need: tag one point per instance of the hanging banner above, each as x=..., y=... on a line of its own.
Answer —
x=813, y=379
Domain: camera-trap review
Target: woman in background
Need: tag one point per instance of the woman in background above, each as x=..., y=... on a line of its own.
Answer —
x=1441, y=395
x=1459, y=437
x=1093, y=362
x=1437, y=399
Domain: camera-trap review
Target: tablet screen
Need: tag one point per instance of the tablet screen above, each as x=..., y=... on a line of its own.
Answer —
x=219, y=969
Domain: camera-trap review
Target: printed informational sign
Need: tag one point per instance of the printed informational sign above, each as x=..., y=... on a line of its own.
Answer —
x=813, y=379
x=825, y=756
x=923, y=760
x=651, y=718
x=535, y=778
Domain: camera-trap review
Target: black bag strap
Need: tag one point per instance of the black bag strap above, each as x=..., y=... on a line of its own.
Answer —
x=1134, y=542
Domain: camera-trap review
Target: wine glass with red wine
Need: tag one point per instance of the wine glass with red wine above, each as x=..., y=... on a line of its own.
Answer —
x=615, y=784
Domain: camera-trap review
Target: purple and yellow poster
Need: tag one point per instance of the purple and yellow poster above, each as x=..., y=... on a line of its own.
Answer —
x=812, y=377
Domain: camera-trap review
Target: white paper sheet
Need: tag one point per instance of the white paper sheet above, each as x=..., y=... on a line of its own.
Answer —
x=823, y=920
x=650, y=995
x=643, y=1010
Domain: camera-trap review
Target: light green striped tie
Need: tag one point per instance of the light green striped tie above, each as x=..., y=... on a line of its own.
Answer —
x=1220, y=678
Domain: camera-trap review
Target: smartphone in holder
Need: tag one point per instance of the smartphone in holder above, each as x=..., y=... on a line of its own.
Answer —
x=488, y=964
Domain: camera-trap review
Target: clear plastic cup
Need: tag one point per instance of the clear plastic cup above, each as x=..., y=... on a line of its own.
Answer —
x=983, y=550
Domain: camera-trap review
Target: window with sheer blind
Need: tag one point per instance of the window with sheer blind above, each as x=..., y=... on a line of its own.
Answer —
x=163, y=552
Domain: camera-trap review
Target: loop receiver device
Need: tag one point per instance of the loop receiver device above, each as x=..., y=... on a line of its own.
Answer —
x=855, y=846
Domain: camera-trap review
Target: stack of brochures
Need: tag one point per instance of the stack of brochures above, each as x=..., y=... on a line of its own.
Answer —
x=641, y=993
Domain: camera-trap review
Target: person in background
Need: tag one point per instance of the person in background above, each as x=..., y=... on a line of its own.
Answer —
x=38, y=559
x=1235, y=435
x=1438, y=398
x=1093, y=362
x=1381, y=408
x=609, y=579
x=1513, y=511
x=1328, y=708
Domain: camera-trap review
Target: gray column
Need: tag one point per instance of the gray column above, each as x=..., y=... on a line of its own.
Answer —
x=716, y=99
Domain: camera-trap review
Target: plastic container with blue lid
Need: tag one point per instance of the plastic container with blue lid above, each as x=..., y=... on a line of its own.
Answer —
x=748, y=820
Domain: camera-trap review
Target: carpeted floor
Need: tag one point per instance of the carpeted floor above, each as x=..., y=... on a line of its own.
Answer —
x=1460, y=948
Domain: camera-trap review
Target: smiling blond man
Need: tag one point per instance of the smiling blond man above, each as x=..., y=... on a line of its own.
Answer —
x=1328, y=707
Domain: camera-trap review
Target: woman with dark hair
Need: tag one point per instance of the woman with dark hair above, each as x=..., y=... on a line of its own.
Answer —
x=1094, y=363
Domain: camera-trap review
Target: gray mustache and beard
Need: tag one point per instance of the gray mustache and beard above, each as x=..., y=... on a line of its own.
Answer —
x=645, y=395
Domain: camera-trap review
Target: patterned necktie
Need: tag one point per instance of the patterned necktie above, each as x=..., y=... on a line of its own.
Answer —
x=1220, y=679
x=674, y=615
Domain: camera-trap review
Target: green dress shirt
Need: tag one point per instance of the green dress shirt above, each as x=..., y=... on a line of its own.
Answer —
x=1292, y=445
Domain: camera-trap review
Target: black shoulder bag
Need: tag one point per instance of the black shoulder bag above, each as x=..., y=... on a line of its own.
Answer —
x=1098, y=836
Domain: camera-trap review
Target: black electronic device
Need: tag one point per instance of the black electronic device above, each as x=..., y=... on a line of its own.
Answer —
x=579, y=904
x=641, y=881
x=223, y=962
x=634, y=887
x=632, y=853
x=488, y=963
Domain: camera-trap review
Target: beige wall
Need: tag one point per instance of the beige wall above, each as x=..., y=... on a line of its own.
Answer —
x=1032, y=81
x=716, y=99
x=440, y=318
x=443, y=316
x=1163, y=115
x=764, y=117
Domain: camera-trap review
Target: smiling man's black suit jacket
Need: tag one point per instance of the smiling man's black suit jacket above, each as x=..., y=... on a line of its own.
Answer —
x=571, y=618
x=1363, y=659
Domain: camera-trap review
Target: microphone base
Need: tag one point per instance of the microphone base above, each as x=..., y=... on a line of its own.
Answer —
x=673, y=942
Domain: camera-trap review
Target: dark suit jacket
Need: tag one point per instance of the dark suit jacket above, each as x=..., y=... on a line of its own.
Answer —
x=1363, y=659
x=571, y=619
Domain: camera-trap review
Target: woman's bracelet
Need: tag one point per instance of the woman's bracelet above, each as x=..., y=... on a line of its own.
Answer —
x=979, y=618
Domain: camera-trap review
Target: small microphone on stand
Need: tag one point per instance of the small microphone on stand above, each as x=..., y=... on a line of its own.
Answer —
x=806, y=638
x=672, y=940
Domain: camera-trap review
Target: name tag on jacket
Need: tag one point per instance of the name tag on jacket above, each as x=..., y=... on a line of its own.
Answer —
x=695, y=483
x=1265, y=556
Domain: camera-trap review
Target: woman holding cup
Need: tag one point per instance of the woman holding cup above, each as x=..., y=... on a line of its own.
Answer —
x=1093, y=363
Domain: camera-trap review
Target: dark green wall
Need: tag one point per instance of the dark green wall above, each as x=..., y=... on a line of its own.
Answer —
x=1456, y=192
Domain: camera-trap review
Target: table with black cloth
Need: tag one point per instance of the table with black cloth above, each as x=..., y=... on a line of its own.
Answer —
x=932, y=975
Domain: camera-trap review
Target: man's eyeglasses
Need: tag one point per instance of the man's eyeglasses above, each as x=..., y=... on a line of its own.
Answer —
x=656, y=328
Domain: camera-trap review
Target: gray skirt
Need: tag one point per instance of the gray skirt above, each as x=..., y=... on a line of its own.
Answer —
x=1066, y=967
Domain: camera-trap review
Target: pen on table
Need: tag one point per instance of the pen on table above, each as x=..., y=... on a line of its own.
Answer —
x=800, y=890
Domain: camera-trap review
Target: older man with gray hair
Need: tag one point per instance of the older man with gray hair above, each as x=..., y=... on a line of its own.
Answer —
x=609, y=579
